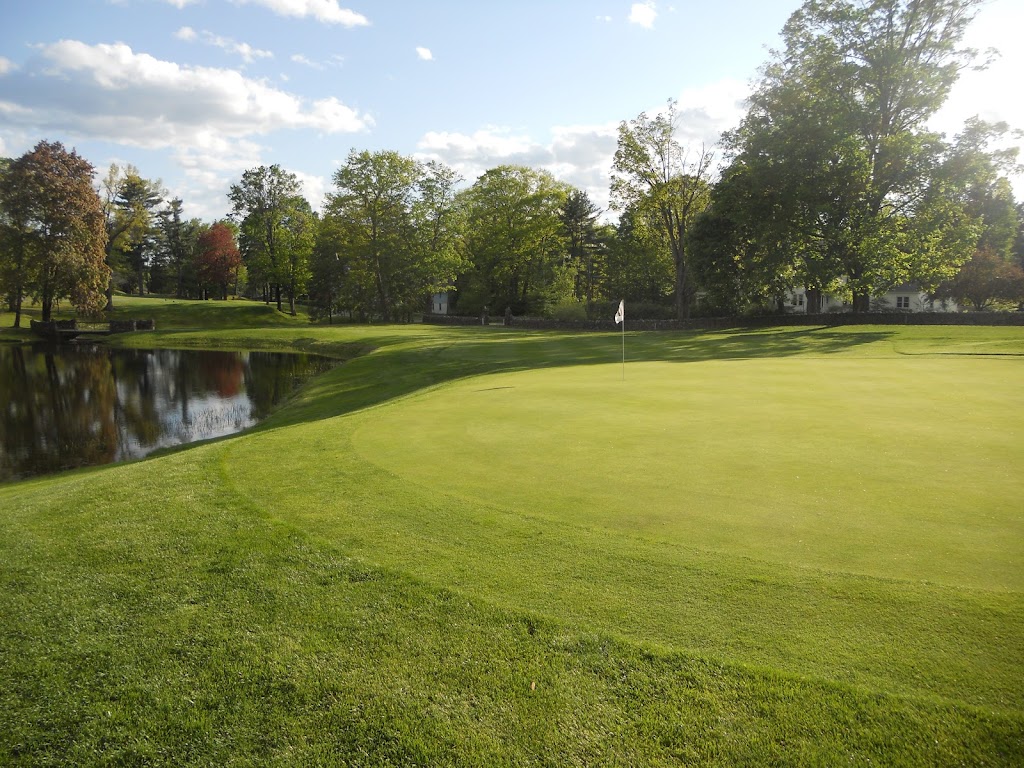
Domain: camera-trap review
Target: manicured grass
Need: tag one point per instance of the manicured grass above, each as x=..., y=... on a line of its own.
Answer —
x=480, y=546
x=188, y=313
x=173, y=314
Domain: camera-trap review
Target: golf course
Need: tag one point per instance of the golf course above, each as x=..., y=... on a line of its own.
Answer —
x=469, y=546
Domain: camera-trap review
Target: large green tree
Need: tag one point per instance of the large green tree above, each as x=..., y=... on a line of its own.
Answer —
x=129, y=204
x=263, y=203
x=639, y=267
x=298, y=234
x=584, y=244
x=390, y=231
x=514, y=238
x=834, y=171
x=179, y=240
x=652, y=170
x=56, y=217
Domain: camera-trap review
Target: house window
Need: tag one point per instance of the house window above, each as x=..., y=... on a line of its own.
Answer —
x=902, y=302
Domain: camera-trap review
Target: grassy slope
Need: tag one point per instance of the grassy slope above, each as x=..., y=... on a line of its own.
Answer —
x=278, y=597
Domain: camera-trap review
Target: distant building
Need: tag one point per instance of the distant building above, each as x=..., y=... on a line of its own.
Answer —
x=439, y=304
x=910, y=298
x=907, y=297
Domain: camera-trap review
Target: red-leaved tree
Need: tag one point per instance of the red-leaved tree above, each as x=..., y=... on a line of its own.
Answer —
x=217, y=258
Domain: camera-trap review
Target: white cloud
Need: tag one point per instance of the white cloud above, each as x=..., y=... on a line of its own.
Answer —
x=314, y=188
x=110, y=92
x=298, y=58
x=179, y=4
x=424, y=53
x=643, y=14
x=6, y=65
x=706, y=111
x=579, y=155
x=582, y=154
x=246, y=51
x=327, y=11
x=989, y=93
x=333, y=62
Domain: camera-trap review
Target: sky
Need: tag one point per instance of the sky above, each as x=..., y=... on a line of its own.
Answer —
x=194, y=92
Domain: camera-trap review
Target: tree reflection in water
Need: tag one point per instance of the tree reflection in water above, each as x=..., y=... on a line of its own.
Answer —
x=75, y=405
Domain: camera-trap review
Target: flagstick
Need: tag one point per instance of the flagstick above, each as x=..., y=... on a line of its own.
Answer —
x=624, y=346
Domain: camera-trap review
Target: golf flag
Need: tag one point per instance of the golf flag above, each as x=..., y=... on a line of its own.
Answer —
x=621, y=314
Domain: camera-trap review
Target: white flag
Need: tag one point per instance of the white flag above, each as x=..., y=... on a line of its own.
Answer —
x=621, y=314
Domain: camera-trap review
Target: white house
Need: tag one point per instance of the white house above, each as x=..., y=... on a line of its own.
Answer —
x=907, y=297
x=910, y=298
x=439, y=304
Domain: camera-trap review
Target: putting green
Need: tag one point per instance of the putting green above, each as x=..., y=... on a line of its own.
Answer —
x=907, y=468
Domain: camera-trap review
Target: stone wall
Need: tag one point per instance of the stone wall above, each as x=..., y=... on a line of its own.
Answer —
x=761, y=321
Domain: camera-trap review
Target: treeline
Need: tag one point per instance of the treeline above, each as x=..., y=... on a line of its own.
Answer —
x=62, y=238
x=831, y=185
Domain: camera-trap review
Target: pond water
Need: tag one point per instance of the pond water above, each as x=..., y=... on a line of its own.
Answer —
x=79, y=404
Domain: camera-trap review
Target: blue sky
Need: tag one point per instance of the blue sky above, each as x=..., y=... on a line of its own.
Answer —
x=194, y=92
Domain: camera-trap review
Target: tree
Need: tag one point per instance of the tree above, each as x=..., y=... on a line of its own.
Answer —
x=136, y=200
x=579, y=219
x=298, y=232
x=15, y=240
x=991, y=276
x=835, y=147
x=129, y=205
x=652, y=170
x=217, y=257
x=179, y=240
x=261, y=203
x=639, y=266
x=983, y=281
x=514, y=238
x=57, y=219
x=391, y=224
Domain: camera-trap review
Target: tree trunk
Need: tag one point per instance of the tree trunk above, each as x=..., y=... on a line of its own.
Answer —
x=861, y=301
x=682, y=290
x=813, y=301
x=277, y=292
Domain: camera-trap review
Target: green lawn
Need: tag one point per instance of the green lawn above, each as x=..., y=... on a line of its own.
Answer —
x=476, y=546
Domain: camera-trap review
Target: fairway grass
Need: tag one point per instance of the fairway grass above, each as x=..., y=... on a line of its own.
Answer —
x=481, y=546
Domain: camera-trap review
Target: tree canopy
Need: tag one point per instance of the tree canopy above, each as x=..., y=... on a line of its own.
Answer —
x=53, y=223
x=836, y=180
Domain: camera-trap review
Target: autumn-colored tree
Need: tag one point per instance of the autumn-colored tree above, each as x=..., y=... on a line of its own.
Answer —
x=48, y=193
x=218, y=257
x=14, y=241
x=985, y=281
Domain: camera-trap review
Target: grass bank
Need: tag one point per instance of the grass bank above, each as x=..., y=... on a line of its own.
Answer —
x=471, y=546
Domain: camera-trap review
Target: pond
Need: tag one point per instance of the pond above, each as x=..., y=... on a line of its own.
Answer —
x=79, y=404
